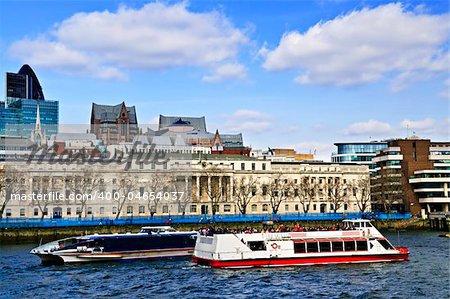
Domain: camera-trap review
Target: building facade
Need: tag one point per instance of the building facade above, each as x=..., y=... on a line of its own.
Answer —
x=182, y=184
x=357, y=152
x=412, y=175
x=114, y=124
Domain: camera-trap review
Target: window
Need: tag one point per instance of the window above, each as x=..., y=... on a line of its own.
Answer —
x=299, y=247
x=337, y=246
x=253, y=191
x=36, y=212
x=8, y=213
x=141, y=209
x=349, y=245
x=312, y=247
x=114, y=210
x=242, y=166
x=256, y=245
x=141, y=191
x=314, y=207
x=264, y=190
x=296, y=208
x=193, y=209
x=69, y=211
x=286, y=208
x=141, y=165
x=253, y=166
x=45, y=211
x=165, y=165
x=345, y=206
x=165, y=209
x=89, y=211
x=102, y=210
x=325, y=246
x=227, y=208
x=265, y=207
x=22, y=212
x=385, y=244
x=129, y=210
x=361, y=245
x=264, y=166
x=254, y=208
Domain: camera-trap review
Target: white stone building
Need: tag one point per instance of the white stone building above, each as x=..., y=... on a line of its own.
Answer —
x=140, y=187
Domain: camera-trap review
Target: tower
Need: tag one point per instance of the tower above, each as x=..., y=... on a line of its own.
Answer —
x=37, y=135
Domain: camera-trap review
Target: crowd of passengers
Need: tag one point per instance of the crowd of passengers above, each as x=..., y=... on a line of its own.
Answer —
x=209, y=231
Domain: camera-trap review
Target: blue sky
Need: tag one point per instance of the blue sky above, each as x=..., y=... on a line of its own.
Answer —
x=301, y=74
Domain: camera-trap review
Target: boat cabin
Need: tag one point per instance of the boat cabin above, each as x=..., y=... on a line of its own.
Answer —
x=357, y=224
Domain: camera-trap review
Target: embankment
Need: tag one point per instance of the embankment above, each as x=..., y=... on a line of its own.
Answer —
x=43, y=235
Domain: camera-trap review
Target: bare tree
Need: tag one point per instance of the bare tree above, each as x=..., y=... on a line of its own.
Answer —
x=391, y=190
x=83, y=185
x=214, y=189
x=182, y=192
x=336, y=193
x=278, y=191
x=244, y=191
x=41, y=188
x=361, y=192
x=157, y=184
x=127, y=184
x=305, y=191
x=11, y=183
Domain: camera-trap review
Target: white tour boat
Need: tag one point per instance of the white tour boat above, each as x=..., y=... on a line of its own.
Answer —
x=358, y=242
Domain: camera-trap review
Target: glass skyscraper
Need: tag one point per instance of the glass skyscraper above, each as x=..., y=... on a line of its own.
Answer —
x=18, y=112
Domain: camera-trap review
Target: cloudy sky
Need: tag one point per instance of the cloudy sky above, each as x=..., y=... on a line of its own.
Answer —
x=301, y=74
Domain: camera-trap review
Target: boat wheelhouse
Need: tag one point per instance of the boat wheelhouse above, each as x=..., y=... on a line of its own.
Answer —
x=358, y=242
x=150, y=243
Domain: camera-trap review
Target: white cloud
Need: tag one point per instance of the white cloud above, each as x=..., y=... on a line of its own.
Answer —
x=156, y=36
x=365, y=46
x=227, y=72
x=370, y=128
x=424, y=124
x=249, y=121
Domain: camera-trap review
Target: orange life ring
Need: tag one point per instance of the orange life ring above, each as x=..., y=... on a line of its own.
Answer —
x=274, y=245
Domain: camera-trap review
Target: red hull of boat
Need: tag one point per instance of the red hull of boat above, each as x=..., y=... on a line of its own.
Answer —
x=302, y=261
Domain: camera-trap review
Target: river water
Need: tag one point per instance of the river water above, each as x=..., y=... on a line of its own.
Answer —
x=426, y=274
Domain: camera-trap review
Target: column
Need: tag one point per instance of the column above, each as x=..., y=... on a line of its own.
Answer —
x=197, y=182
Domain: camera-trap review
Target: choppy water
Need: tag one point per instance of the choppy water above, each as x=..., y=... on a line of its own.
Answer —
x=427, y=274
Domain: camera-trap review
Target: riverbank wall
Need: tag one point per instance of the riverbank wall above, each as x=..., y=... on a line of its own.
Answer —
x=43, y=235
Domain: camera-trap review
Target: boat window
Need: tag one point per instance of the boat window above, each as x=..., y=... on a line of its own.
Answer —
x=337, y=246
x=312, y=247
x=325, y=246
x=361, y=245
x=299, y=247
x=67, y=242
x=256, y=245
x=356, y=224
x=385, y=244
x=349, y=245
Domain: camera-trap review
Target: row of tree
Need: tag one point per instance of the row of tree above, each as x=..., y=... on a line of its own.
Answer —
x=277, y=190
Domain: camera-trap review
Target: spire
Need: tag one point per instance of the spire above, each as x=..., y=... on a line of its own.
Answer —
x=38, y=119
x=37, y=136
